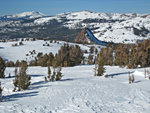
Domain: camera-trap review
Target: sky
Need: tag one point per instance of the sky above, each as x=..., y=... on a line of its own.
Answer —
x=53, y=7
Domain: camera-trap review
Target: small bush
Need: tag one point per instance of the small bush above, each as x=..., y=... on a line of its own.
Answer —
x=106, y=76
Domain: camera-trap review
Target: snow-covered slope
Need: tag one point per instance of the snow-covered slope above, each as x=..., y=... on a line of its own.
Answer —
x=14, y=53
x=108, y=27
x=23, y=15
x=115, y=27
x=78, y=92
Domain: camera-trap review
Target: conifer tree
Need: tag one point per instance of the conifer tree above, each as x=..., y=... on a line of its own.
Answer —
x=91, y=49
x=2, y=68
x=59, y=74
x=90, y=59
x=22, y=80
x=0, y=92
x=100, y=65
x=132, y=78
x=16, y=80
x=49, y=71
x=53, y=75
x=96, y=50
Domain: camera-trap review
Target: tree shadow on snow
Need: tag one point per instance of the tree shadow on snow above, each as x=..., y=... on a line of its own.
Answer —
x=71, y=79
x=29, y=75
x=14, y=97
x=1, y=47
x=137, y=81
x=36, y=75
x=68, y=79
x=37, y=85
x=116, y=74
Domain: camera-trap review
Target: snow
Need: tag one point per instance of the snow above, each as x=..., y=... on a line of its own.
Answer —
x=116, y=31
x=19, y=52
x=78, y=92
x=31, y=15
x=106, y=26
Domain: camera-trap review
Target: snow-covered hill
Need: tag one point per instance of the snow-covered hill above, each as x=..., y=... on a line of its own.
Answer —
x=108, y=27
x=78, y=92
x=24, y=15
x=14, y=53
x=115, y=27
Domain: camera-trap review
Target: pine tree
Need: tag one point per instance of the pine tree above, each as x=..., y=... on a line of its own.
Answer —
x=100, y=63
x=90, y=59
x=53, y=75
x=0, y=92
x=96, y=50
x=49, y=73
x=95, y=69
x=2, y=68
x=132, y=78
x=22, y=80
x=91, y=49
x=16, y=80
x=59, y=74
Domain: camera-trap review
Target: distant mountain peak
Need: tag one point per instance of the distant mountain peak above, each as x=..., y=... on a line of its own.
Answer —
x=31, y=14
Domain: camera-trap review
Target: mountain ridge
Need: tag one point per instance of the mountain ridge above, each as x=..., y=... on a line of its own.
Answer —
x=109, y=27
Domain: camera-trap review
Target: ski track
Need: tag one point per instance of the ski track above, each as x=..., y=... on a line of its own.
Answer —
x=78, y=92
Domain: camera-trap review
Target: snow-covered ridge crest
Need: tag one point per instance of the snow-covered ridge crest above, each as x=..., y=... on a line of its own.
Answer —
x=94, y=15
x=30, y=15
x=108, y=27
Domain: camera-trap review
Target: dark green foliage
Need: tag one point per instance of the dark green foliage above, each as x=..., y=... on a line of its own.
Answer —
x=106, y=76
x=90, y=59
x=39, y=55
x=22, y=80
x=91, y=49
x=42, y=61
x=21, y=43
x=141, y=32
x=75, y=56
x=66, y=56
x=96, y=50
x=49, y=73
x=122, y=55
x=53, y=76
x=51, y=30
x=59, y=74
x=0, y=92
x=17, y=64
x=100, y=65
x=2, y=68
x=107, y=54
x=127, y=55
x=10, y=64
x=130, y=79
x=33, y=63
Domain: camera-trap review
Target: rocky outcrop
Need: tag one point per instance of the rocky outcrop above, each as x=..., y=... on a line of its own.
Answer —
x=81, y=37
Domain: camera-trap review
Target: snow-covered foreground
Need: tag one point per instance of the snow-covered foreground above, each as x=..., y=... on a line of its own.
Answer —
x=78, y=92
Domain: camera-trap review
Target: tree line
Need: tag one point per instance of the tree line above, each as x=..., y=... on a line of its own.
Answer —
x=66, y=56
x=127, y=55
